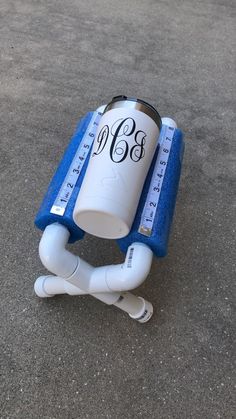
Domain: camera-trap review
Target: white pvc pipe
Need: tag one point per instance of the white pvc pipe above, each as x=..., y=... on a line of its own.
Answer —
x=53, y=253
x=137, y=308
x=49, y=285
x=109, y=278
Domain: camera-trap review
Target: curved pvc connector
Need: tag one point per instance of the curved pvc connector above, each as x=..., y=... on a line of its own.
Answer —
x=79, y=273
x=133, y=271
x=53, y=253
x=123, y=277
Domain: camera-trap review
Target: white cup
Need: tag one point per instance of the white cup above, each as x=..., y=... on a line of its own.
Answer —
x=122, y=152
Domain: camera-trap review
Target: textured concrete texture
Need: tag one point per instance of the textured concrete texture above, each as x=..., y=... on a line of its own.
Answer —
x=74, y=357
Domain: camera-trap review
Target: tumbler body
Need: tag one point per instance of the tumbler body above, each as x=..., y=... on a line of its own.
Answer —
x=122, y=153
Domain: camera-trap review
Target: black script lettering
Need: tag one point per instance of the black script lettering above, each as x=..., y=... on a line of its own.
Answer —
x=121, y=148
x=137, y=152
x=102, y=139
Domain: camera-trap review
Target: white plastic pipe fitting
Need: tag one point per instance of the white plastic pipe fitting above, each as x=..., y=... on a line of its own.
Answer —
x=79, y=273
x=53, y=253
x=137, y=308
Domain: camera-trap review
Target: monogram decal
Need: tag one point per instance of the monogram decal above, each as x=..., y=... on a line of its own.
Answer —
x=119, y=146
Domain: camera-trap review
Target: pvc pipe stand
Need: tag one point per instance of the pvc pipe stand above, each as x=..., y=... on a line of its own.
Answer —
x=109, y=284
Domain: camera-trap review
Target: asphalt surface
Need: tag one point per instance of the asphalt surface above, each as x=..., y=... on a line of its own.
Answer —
x=74, y=357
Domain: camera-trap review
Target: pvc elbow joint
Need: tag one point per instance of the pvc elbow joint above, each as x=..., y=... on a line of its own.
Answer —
x=53, y=253
x=133, y=271
x=79, y=273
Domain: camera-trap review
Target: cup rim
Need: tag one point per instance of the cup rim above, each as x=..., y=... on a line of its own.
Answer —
x=135, y=103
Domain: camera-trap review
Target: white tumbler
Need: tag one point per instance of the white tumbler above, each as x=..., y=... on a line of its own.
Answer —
x=122, y=152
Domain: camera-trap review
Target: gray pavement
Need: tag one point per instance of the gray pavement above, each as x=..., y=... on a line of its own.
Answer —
x=74, y=357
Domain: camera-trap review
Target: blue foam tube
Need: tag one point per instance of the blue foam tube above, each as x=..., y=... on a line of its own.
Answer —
x=44, y=217
x=158, y=241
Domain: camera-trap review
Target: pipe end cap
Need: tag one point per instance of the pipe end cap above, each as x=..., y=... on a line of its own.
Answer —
x=145, y=314
x=39, y=287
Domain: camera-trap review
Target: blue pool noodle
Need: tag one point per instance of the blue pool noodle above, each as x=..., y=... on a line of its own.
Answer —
x=44, y=217
x=158, y=240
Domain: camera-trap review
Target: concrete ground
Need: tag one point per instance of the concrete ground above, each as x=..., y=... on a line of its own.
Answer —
x=74, y=357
